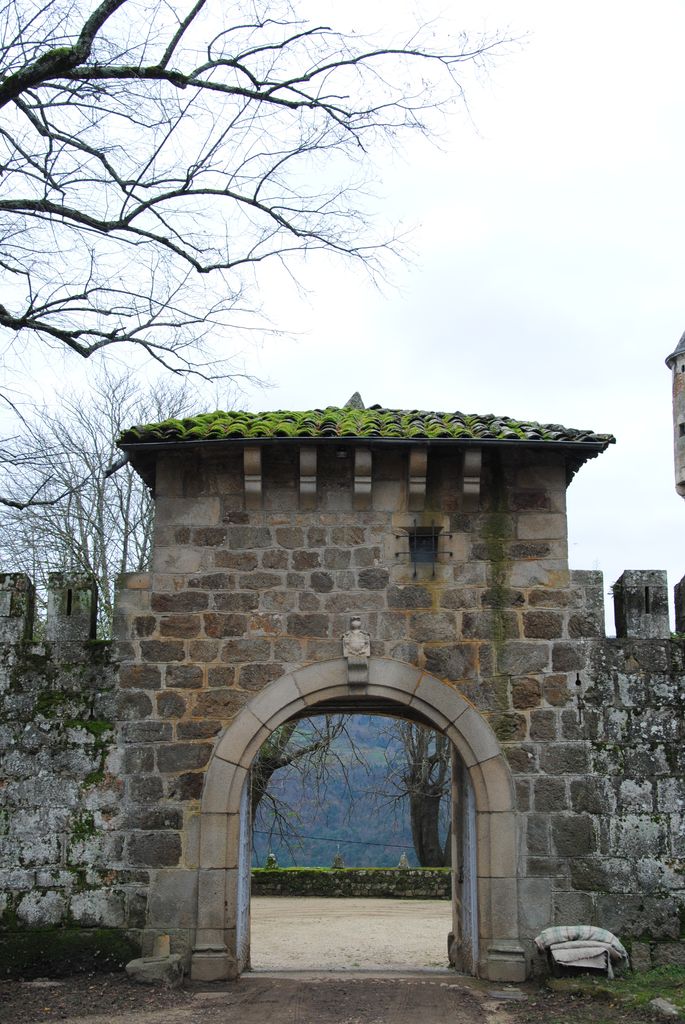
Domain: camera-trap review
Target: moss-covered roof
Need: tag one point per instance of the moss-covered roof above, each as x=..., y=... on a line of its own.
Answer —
x=348, y=423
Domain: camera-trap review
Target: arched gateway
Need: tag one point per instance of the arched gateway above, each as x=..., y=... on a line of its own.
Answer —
x=484, y=897
x=444, y=535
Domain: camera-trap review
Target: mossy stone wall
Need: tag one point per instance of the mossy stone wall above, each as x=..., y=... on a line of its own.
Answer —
x=380, y=883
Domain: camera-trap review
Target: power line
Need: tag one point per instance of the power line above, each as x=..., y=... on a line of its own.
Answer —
x=328, y=839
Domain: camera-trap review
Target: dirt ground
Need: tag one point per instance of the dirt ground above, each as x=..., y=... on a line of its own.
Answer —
x=287, y=941
x=322, y=934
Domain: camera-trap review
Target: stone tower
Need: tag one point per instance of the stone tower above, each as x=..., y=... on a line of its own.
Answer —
x=676, y=363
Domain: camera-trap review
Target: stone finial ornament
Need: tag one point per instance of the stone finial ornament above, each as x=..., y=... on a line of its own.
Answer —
x=357, y=649
x=354, y=402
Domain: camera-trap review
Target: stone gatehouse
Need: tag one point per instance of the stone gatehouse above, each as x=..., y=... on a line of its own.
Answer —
x=446, y=535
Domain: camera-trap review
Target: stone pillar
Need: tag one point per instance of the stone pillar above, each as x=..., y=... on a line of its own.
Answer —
x=641, y=604
x=679, y=598
x=17, y=595
x=72, y=607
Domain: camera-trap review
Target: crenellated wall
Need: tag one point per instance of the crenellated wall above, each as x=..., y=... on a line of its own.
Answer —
x=245, y=591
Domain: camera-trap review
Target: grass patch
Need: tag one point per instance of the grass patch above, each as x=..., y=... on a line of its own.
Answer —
x=636, y=988
x=56, y=952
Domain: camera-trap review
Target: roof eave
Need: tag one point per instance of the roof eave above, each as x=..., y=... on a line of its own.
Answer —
x=579, y=451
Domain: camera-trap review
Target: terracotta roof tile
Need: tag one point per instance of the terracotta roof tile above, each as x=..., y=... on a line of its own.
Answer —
x=348, y=423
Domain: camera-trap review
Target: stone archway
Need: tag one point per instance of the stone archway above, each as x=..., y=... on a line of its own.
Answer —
x=222, y=944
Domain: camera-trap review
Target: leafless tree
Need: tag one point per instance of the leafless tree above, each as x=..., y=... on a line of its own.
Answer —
x=419, y=771
x=69, y=510
x=314, y=748
x=155, y=154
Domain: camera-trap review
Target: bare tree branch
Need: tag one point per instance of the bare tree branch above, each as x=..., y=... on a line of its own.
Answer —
x=142, y=160
x=75, y=504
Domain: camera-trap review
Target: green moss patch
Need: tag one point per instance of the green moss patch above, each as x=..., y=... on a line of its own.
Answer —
x=57, y=952
x=375, y=422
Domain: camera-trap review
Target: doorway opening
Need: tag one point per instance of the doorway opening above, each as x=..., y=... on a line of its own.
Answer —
x=352, y=845
x=484, y=884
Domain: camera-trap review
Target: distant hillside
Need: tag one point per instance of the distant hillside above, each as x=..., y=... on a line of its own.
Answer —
x=357, y=813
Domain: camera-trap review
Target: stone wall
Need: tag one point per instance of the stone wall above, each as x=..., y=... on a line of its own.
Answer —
x=384, y=883
x=237, y=597
x=61, y=855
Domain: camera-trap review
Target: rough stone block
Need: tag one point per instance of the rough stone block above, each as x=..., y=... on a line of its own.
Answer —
x=172, y=899
x=166, y=971
x=162, y=650
x=314, y=625
x=373, y=579
x=573, y=908
x=506, y=964
x=568, y=657
x=453, y=661
x=140, y=677
x=573, y=835
x=592, y=795
x=98, y=909
x=492, y=625
x=185, y=601
x=235, y=601
x=508, y=727
x=219, y=626
x=244, y=560
x=640, y=956
x=154, y=849
x=543, y=725
x=255, y=677
x=185, y=677
x=565, y=759
x=537, y=835
x=520, y=658
x=585, y=625
x=247, y=537
x=639, y=916
x=41, y=909
x=526, y=693
x=176, y=757
x=542, y=625
x=303, y=560
x=636, y=796
x=666, y=953
x=337, y=558
x=638, y=835
x=535, y=905
x=540, y=525
x=260, y=581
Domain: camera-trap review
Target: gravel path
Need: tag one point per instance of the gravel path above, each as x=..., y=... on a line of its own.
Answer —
x=321, y=934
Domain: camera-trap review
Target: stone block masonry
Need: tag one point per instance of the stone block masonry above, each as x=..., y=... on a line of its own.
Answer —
x=104, y=755
x=62, y=870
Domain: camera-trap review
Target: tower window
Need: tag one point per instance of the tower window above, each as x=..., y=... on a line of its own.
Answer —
x=423, y=544
x=681, y=429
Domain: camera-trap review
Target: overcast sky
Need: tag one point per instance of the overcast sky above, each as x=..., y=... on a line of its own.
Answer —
x=547, y=277
x=548, y=241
